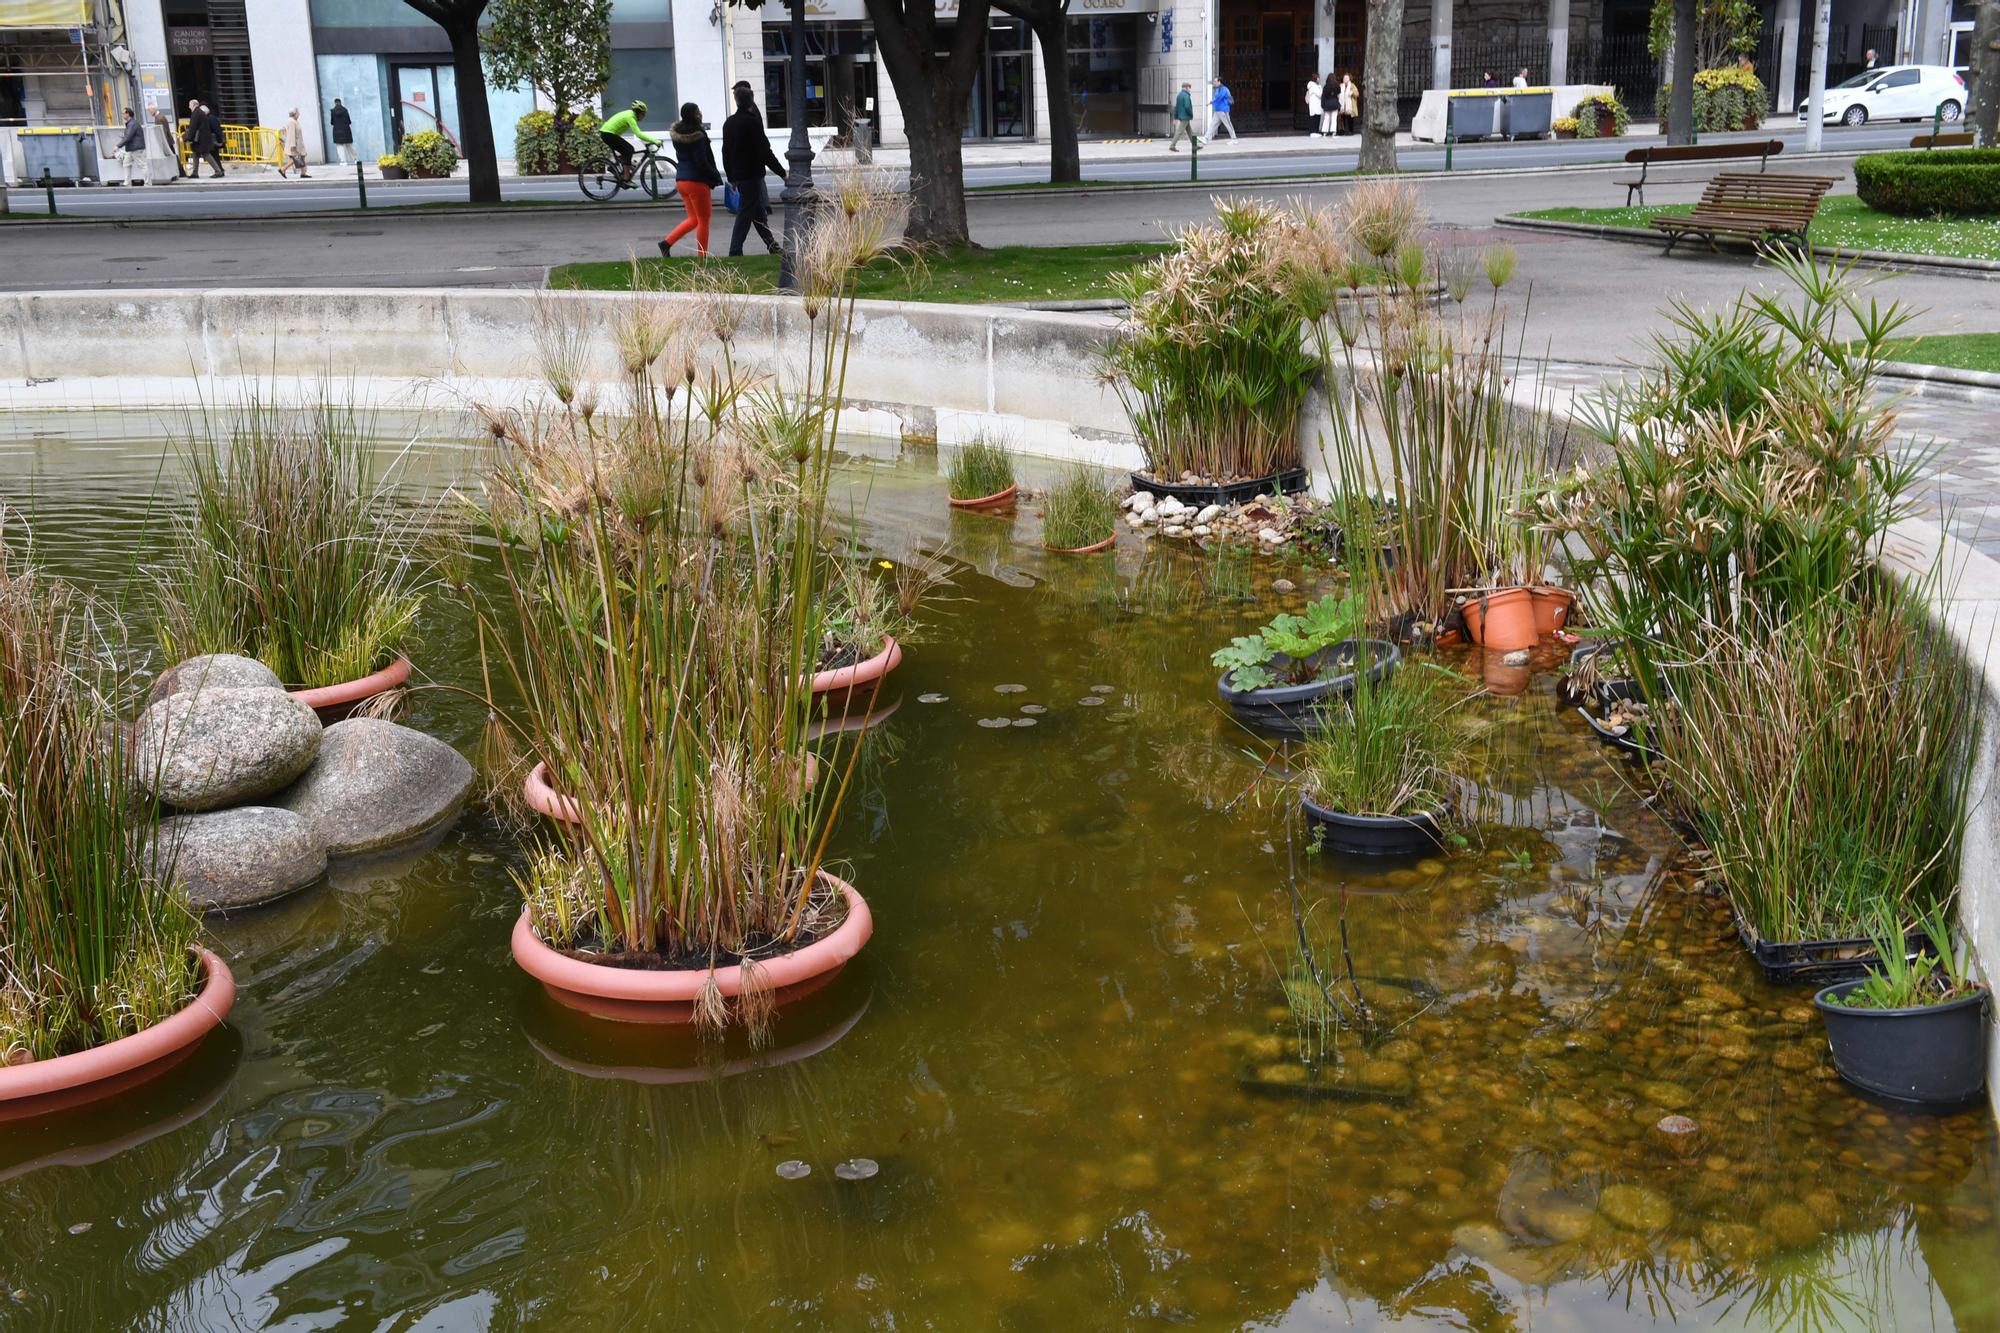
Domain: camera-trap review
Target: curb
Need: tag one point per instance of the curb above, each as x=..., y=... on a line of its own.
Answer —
x=1954, y=376
x=379, y=213
x=1988, y=268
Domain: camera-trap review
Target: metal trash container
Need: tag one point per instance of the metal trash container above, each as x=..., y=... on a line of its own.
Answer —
x=1525, y=112
x=1469, y=115
x=68, y=156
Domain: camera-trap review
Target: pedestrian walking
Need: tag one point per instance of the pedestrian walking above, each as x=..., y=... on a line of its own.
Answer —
x=1316, y=105
x=292, y=146
x=205, y=129
x=1349, y=103
x=1521, y=79
x=1329, y=106
x=1486, y=79
x=1219, y=104
x=695, y=179
x=1184, y=120
x=172, y=141
x=343, y=133
x=132, y=149
x=746, y=157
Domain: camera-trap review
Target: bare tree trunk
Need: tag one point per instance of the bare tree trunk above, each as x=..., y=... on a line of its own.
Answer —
x=934, y=87
x=1983, y=116
x=1680, y=107
x=475, y=121
x=1052, y=33
x=937, y=181
x=1378, y=85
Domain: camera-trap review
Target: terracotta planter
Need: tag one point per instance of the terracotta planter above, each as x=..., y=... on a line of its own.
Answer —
x=45, y=1086
x=1565, y=134
x=861, y=673
x=997, y=500
x=355, y=691
x=1503, y=621
x=647, y=1055
x=1552, y=608
x=1502, y=680
x=635, y=996
x=544, y=799
x=395, y=173
x=1091, y=549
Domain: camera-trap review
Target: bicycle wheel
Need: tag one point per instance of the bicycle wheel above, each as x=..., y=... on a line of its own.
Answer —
x=649, y=178
x=599, y=183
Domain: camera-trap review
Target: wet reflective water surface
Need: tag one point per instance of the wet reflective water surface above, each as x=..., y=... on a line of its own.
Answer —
x=1061, y=1087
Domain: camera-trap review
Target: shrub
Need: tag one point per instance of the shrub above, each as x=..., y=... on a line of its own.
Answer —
x=1326, y=622
x=1564, y=125
x=1078, y=511
x=1388, y=754
x=1958, y=182
x=1727, y=98
x=537, y=153
x=428, y=153
x=1592, y=111
x=982, y=468
x=388, y=161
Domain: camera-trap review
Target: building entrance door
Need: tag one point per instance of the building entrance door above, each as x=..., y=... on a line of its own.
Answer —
x=422, y=97
x=1266, y=57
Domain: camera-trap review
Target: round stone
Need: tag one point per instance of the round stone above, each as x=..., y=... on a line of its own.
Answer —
x=214, y=671
x=1635, y=1207
x=377, y=785
x=208, y=748
x=231, y=859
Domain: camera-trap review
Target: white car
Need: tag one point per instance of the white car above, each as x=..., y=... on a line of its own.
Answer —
x=1895, y=92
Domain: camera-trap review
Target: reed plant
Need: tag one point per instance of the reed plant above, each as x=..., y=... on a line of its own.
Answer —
x=981, y=468
x=1078, y=511
x=665, y=573
x=293, y=551
x=1211, y=363
x=95, y=939
x=1389, y=749
x=1825, y=758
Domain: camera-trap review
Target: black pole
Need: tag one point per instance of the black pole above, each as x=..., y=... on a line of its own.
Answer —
x=798, y=191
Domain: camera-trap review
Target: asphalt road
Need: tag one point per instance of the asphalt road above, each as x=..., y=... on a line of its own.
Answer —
x=330, y=189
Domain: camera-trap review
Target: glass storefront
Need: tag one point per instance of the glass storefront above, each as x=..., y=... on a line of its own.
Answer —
x=840, y=76
x=1104, y=76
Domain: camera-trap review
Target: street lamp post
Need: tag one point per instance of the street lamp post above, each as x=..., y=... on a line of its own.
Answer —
x=798, y=194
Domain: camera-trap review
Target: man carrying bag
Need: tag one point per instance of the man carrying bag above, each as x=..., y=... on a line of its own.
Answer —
x=746, y=155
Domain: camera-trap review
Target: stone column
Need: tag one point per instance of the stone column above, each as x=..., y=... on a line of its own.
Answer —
x=1788, y=56
x=1558, y=43
x=1441, y=43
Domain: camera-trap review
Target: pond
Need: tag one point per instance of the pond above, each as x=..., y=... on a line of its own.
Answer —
x=1061, y=1087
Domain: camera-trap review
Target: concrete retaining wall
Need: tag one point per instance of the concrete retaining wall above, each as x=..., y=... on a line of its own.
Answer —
x=923, y=370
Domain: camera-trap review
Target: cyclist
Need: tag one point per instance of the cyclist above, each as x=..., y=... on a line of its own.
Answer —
x=613, y=132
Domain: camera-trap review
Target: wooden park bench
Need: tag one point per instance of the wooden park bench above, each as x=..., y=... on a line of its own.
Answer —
x=1671, y=154
x=1961, y=139
x=1749, y=206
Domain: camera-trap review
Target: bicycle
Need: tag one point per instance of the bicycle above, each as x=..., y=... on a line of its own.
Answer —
x=602, y=183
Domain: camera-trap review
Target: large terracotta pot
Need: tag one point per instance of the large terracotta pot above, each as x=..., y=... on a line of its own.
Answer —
x=1552, y=608
x=355, y=691
x=996, y=500
x=1503, y=621
x=44, y=1086
x=1091, y=549
x=861, y=673
x=637, y=996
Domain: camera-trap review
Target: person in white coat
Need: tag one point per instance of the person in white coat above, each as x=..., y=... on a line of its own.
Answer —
x=1316, y=104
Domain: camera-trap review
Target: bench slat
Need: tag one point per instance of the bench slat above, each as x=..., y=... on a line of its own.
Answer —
x=1741, y=204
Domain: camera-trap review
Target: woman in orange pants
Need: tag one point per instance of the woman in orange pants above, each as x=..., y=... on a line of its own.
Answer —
x=695, y=178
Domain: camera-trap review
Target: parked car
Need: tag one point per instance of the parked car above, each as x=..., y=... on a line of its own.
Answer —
x=1895, y=92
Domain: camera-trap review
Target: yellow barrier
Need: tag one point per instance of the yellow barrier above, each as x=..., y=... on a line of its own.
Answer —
x=240, y=143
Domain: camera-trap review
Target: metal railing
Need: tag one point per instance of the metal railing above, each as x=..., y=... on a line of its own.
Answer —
x=240, y=143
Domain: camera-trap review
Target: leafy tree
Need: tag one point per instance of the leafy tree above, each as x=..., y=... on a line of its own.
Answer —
x=460, y=21
x=560, y=48
x=932, y=74
x=1723, y=30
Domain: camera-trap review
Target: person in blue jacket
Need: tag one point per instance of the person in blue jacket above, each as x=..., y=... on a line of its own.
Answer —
x=1219, y=104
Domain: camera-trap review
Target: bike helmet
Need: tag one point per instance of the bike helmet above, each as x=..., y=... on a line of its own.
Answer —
x=638, y=108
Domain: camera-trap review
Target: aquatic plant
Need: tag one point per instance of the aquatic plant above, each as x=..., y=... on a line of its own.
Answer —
x=1825, y=761
x=1211, y=363
x=293, y=551
x=1078, y=511
x=981, y=468
x=1298, y=638
x=95, y=939
x=1387, y=751
x=1897, y=979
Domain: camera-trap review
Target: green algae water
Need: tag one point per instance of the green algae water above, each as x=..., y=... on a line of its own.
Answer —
x=1060, y=1089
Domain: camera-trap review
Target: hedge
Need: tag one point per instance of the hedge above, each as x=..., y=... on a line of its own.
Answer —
x=1960, y=182
x=536, y=152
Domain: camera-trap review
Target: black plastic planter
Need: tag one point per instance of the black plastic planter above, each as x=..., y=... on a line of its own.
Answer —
x=1931, y=1056
x=1374, y=835
x=1817, y=962
x=1292, y=710
x=1288, y=482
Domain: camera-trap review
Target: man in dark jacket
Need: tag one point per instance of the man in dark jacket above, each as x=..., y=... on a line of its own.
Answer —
x=205, y=135
x=746, y=154
x=132, y=149
x=343, y=132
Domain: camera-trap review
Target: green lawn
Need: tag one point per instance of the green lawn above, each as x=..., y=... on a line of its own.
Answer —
x=970, y=277
x=1961, y=351
x=1843, y=222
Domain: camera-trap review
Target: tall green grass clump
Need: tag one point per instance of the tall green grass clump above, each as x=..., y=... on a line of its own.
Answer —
x=293, y=551
x=1078, y=511
x=982, y=468
x=1211, y=363
x=1389, y=750
x=95, y=941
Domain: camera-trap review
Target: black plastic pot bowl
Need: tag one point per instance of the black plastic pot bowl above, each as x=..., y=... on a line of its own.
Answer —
x=1373, y=835
x=1288, y=482
x=1291, y=710
x=1933, y=1056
